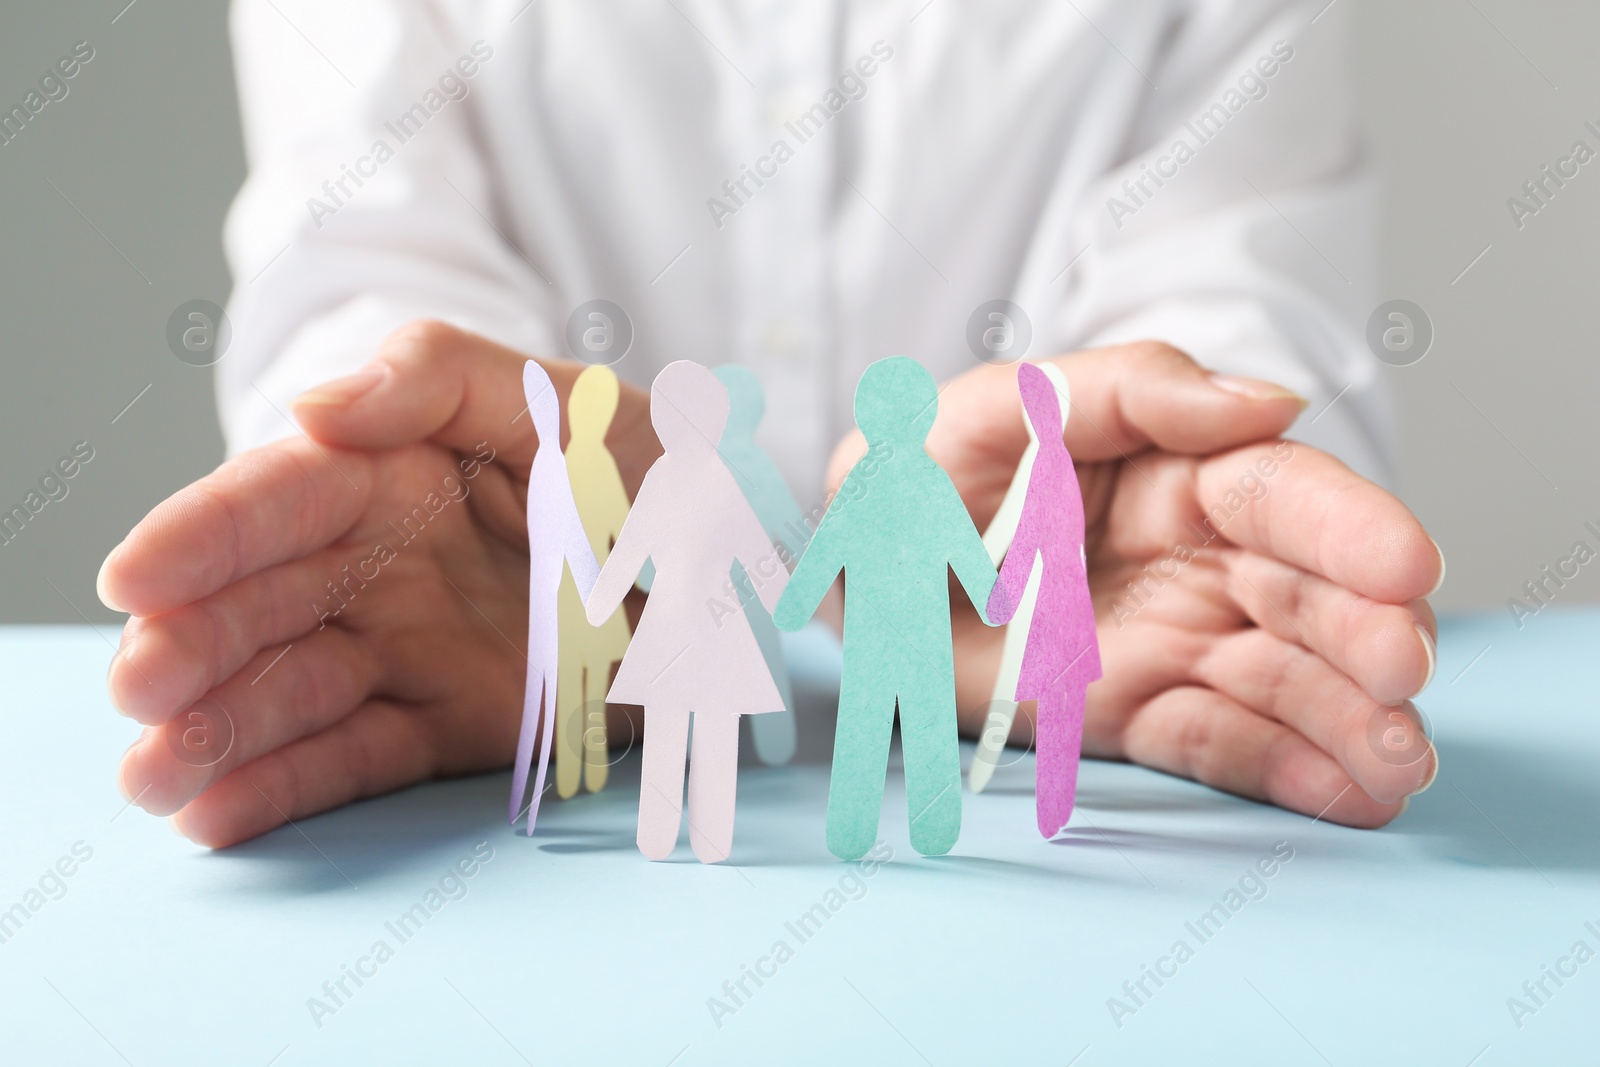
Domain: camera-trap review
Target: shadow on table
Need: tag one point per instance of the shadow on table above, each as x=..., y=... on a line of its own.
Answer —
x=424, y=827
x=1508, y=806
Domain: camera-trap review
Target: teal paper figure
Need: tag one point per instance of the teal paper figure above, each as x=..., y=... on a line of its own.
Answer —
x=775, y=506
x=896, y=528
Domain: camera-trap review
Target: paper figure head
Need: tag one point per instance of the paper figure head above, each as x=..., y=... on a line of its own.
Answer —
x=543, y=404
x=688, y=407
x=896, y=402
x=593, y=403
x=746, y=402
x=1045, y=397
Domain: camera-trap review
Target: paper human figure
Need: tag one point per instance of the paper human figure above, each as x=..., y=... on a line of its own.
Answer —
x=1063, y=653
x=895, y=528
x=588, y=653
x=692, y=520
x=997, y=538
x=775, y=506
x=555, y=536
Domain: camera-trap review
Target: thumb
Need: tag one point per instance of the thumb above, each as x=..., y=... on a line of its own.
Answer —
x=1130, y=398
x=430, y=381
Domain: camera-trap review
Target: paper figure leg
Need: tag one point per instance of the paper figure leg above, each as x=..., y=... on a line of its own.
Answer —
x=991, y=744
x=596, y=755
x=713, y=780
x=1060, y=718
x=929, y=738
x=666, y=736
x=772, y=732
x=549, y=718
x=569, y=710
x=860, y=757
x=527, y=738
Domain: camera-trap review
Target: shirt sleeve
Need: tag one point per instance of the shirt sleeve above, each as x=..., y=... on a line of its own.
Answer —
x=368, y=202
x=1237, y=222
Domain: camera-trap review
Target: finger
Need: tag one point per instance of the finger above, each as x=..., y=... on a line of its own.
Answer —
x=1303, y=691
x=1300, y=505
x=280, y=696
x=431, y=381
x=263, y=507
x=1201, y=734
x=376, y=749
x=170, y=661
x=1387, y=649
x=1129, y=398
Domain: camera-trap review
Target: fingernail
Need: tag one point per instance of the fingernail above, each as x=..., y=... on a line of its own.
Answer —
x=100, y=582
x=343, y=390
x=1433, y=774
x=1256, y=389
x=1440, y=582
x=1433, y=659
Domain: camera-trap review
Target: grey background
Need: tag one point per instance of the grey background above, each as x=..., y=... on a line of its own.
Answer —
x=111, y=205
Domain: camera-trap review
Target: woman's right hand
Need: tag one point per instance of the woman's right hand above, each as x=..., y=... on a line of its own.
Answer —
x=320, y=685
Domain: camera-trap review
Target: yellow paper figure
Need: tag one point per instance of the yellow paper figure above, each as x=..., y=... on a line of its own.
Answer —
x=588, y=653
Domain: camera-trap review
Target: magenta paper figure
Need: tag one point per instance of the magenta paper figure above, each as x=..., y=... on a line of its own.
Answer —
x=1062, y=655
x=693, y=522
x=555, y=535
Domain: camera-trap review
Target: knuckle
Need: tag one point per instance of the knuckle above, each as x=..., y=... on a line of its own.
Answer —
x=420, y=341
x=1158, y=357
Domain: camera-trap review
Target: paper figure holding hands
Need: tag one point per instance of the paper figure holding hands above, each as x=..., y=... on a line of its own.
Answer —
x=555, y=535
x=1063, y=654
x=997, y=538
x=775, y=507
x=693, y=521
x=588, y=653
x=896, y=528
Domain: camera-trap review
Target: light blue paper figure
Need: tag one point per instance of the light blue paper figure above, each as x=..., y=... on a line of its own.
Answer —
x=780, y=516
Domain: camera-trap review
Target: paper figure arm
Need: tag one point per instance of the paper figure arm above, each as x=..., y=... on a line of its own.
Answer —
x=627, y=557
x=1003, y=527
x=1018, y=565
x=762, y=564
x=616, y=510
x=579, y=553
x=968, y=558
x=819, y=565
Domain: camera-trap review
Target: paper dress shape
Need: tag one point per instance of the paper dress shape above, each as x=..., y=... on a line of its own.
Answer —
x=1063, y=654
x=692, y=520
x=775, y=507
x=997, y=538
x=587, y=652
x=555, y=536
x=895, y=528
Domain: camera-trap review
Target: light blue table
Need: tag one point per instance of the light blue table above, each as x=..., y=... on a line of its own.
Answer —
x=1397, y=946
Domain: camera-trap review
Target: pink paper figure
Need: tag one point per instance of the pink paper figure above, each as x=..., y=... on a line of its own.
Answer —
x=1062, y=655
x=692, y=521
x=555, y=535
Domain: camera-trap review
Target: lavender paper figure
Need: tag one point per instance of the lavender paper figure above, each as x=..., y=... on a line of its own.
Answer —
x=1063, y=654
x=555, y=536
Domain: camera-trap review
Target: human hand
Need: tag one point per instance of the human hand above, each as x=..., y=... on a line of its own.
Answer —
x=1252, y=655
x=414, y=668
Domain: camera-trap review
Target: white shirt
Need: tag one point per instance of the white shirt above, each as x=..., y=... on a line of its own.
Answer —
x=967, y=153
